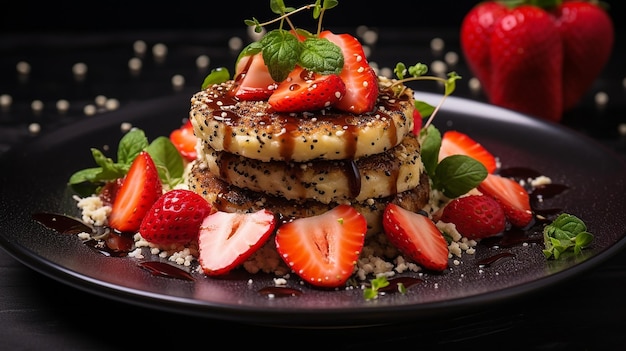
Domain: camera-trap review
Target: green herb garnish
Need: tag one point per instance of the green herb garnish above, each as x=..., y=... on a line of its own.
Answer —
x=455, y=175
x=166, y=157
x=376, y=284
x=566, y=233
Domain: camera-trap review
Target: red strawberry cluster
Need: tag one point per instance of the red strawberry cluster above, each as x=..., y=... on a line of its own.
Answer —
x=354, y=89
x=501, y=202
x=537, y=60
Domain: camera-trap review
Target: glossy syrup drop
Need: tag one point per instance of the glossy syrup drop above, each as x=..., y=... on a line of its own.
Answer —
x=62, y=224
x=489, y=261
x=166, y=270
x=279, y=291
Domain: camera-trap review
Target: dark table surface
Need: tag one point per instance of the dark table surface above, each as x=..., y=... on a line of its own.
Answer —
x=38, y=312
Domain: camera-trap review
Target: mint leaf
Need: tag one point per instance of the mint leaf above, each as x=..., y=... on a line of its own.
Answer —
x=455, y=175
x=425, y=109
x=322, y=56
x=430, y=141
x=130, y=145
x=281, y=52
x=166, y=157
x=108, y=170
x=168, y=161
x=217, y=76
x=566, y=233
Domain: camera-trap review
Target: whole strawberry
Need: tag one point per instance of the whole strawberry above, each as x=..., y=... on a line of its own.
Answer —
x=175, y=218
x=475, y=216
x=537, y=59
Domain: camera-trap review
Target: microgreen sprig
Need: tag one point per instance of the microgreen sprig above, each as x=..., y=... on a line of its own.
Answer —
x=378, y=283
x=278, y=7
x=418, y=72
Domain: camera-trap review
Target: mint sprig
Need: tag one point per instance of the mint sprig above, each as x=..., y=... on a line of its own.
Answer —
x=455, y=175
x=288, y=46
x=566, y=233
x=166, y=157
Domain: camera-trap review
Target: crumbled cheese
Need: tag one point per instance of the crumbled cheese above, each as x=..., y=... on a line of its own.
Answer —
x=541, y=180
x=93, y=210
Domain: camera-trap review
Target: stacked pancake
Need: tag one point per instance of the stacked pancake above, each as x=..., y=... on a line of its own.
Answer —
x=303, y=164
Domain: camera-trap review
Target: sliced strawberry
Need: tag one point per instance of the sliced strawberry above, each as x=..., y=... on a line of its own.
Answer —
x=227, y=239
x=323, y=249
x=140, y=189
x=511, y=196
x=456, y=143
x=475, y=216
x=185, y=141
x=175, y=218
x=416, y=236
x=358, y=76
x=252, y=79
x=304, y=90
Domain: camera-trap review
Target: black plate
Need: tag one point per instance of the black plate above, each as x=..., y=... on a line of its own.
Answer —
x=34, y=180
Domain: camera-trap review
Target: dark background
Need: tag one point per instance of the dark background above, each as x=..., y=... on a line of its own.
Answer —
x=28, y=15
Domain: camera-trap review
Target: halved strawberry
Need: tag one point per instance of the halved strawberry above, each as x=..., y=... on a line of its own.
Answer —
x=456, y=143
x=511, y=196
x=475, y=216
x=185, y=141
x=175, y=218
x=304, y=90
x=416, y=236
x=227, y=239
x=323, y=249
x=358, y=76
x=252, y=79
x=140, y=189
